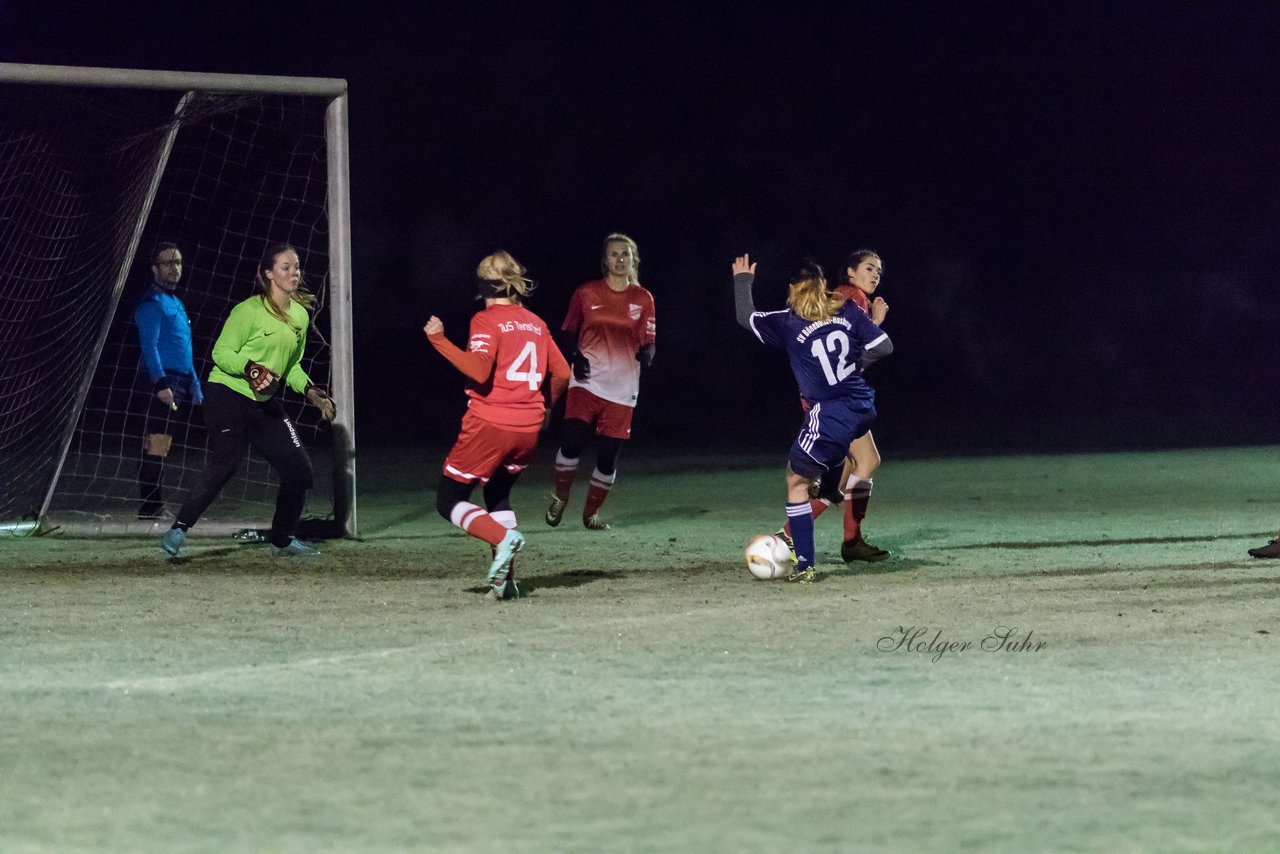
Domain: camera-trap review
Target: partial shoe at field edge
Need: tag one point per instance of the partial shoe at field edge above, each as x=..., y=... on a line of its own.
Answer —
x=1271, y=549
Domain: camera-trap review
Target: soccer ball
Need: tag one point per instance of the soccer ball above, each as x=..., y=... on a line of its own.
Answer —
x=768, y=557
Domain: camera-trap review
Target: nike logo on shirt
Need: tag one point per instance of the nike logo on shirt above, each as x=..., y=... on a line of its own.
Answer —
x=594, y=307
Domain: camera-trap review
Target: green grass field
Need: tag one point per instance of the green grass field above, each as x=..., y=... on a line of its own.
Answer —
x=649, y=695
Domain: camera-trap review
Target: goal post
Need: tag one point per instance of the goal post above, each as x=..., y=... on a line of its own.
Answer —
x=94, y=170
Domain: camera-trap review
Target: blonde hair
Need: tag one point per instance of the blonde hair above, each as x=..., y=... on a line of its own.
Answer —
x=810, y=299
x=633, y=274
x=509, y=273
x=301, y=295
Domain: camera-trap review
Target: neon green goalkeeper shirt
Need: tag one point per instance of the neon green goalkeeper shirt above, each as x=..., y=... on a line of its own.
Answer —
x=253, y=334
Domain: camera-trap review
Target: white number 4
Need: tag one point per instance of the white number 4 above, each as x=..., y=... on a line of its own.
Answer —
x=836, y=341
x=528, y=354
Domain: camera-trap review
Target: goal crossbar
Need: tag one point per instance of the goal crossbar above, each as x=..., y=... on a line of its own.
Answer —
x=72, y=75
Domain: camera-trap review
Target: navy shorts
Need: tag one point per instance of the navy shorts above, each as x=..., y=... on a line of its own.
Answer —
x=828, y=430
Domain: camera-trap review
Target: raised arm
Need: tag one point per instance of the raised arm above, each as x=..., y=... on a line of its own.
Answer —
x=474, y=365
x=744, y=274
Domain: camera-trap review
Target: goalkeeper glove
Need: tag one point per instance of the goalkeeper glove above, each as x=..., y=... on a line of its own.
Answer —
x=319, y=398
x=261, y=380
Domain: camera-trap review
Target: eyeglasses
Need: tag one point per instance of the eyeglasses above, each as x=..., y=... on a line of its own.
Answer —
x=168, y=263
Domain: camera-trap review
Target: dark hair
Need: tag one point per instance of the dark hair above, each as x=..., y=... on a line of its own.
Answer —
x=164, y=246
x=806, y=268
x=855, y=258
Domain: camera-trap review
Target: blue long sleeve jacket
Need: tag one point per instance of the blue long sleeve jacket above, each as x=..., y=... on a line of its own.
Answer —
x=164, y=333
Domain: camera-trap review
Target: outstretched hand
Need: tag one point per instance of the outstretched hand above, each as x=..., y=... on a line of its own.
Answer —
x=743, y=264
x=435, y=326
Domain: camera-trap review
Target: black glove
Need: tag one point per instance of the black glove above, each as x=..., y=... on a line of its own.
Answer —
x=581, y=367
x=645, y=356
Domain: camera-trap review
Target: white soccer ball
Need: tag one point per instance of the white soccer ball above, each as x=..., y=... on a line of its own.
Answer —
x=768, y=557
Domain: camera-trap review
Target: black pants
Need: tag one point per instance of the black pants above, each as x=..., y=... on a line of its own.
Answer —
x=235, y=422
x=160, y=420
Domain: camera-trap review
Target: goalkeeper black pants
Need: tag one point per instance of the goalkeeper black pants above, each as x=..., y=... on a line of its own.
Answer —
x=235, y=423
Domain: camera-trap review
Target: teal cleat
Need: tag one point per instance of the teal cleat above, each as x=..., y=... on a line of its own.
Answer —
x=172, y=541
x=296, y=548
x=500, y=569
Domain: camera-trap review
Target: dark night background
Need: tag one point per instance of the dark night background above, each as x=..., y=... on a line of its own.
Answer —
x=1076, y=203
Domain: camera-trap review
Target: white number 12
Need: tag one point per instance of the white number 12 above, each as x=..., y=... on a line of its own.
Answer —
x=835, y=341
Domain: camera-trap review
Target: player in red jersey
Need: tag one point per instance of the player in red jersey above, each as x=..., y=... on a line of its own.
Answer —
x=863, y=270
x=509, y=349
x=611, y=324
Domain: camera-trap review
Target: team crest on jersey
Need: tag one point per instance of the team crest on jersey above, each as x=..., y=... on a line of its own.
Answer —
x=633, y=311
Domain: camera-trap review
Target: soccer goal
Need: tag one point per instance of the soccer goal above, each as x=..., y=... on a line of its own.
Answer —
x=97, y=166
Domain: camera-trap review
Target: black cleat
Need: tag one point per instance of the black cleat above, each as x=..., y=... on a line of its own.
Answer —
x=1271, y=549
x=860, y=549
x=555, y=511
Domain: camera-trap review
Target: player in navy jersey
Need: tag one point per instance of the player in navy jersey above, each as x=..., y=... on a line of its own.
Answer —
x=863, y=270
x=828, y=342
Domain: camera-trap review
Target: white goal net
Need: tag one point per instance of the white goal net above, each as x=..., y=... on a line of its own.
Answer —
x=93, y=176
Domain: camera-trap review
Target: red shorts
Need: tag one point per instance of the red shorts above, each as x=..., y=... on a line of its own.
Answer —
x=483, y=447
x=611, y=419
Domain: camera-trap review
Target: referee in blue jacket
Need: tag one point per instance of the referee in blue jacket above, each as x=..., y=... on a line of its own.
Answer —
x=166, y=373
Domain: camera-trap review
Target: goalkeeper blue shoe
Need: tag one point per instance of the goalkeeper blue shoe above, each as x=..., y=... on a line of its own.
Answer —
x=172, y=541
x=500, y=569
x=297, y=548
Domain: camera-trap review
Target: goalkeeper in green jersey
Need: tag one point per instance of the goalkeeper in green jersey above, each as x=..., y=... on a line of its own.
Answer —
x=259, y=349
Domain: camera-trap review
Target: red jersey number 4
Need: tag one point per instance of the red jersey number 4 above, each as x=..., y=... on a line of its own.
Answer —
x=524, y=369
